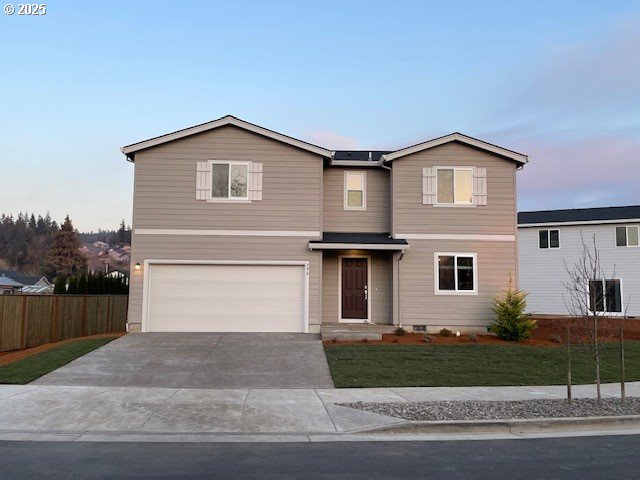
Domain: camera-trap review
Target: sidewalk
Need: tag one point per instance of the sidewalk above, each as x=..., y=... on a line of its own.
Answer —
x=77, y=410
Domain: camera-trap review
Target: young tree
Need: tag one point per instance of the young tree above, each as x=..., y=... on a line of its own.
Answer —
x=64, y=256
x=512, y=323
x=587, y=300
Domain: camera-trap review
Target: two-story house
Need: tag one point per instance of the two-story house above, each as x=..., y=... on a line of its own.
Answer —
x=552, y=241
x=239, y=228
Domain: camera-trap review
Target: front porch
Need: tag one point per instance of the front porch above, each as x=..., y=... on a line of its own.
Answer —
x=358, y=284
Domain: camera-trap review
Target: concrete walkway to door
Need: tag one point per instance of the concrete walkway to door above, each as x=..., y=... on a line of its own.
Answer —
x=201, y=360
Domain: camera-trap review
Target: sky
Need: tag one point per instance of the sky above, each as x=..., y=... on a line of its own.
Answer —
x=557, y=80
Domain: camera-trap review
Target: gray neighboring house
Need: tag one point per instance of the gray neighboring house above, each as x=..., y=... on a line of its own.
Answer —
x=240, y=228
x=15, y=282
x=549, y=239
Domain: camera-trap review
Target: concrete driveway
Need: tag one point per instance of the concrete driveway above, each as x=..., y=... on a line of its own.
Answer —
x=201, y=360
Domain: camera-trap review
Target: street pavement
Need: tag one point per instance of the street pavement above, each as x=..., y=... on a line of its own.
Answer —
x=602, y=458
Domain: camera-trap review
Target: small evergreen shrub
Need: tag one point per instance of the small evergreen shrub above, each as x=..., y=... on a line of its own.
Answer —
x=399, y=331
x=511, y=322
x=427, y=338
x=473, y=337
x=445, y=332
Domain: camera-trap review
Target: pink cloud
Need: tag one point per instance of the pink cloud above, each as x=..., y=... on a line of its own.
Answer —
x=580, y=172
x=332, y=140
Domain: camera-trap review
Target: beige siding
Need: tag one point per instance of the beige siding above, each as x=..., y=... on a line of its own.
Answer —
x=165, y=179
x=164, y=198
x=419, y=305
x=374, y=219
x=411, y=216
x=178, y=247
x=380, y=289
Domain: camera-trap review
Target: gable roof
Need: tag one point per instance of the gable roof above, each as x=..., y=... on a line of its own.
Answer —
x=519, y=158
x=130, y=150
x=21, y=278
x=577, y=216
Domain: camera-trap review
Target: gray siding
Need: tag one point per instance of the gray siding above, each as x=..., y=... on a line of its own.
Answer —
x=542, y=271
x=419, y=305
x=374, y=219
x=165, y=179
x=380, y=289
x=411, y=216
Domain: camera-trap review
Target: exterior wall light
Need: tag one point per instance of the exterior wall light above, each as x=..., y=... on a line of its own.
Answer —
x=137, y=266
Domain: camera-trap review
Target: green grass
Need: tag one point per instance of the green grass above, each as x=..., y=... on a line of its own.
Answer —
x=466, y=365
x=28, y=369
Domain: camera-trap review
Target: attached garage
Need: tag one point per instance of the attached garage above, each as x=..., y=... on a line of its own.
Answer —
x=226, y=297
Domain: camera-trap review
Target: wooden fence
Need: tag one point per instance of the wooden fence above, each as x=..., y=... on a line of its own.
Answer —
x=30, y=320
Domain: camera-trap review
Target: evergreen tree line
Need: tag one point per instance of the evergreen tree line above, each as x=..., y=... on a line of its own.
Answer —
x=122, y=236
x=92, y=284
x=25, y=239
x=39, y=246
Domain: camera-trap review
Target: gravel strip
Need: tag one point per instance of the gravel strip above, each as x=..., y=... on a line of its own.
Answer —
x=502, y=410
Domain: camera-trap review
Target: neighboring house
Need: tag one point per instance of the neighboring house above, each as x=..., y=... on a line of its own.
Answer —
x=16, y=282
x=549, y=240
x=240, y=228
x=118, y=254
x=119, y=274
x=9, y=286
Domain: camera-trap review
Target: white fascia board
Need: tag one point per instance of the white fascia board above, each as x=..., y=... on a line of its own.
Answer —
x=456, y=236
x=227, y=120
x=356, y=246
x=457, y=137
x=590, y=222
x=229, y=233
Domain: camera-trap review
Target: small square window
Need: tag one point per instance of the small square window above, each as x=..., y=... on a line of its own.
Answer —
x=627, y=236
x=549, y=238
x=605, y=296
x=455, y=186
x=229, y=180
x=455, y=273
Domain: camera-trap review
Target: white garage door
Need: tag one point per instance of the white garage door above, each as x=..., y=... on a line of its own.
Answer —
x=226, y=298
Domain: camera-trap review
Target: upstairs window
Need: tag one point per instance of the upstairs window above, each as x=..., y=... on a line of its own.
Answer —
x=455, y=186
x=627, y=236
x=549, y=238
x=355, y=191
x=455, y=273
x=229, y=180
x=605, y=296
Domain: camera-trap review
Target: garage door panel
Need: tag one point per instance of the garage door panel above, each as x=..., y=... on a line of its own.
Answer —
x=232, y=298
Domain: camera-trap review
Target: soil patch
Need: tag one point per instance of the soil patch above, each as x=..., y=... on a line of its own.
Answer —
x=15, y=355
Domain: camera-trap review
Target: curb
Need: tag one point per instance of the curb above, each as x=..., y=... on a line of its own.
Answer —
x=514, y=426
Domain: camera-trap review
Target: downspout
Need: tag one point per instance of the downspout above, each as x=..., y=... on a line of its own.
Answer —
x=399, y=289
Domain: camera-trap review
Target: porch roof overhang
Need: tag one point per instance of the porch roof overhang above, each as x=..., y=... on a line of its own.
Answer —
x=358, y=241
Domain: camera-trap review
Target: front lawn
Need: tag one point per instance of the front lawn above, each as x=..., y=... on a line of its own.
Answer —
x=470, y=364
x=28, y=369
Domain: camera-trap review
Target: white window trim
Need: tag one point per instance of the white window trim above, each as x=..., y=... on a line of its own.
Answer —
x=605, y=313
x=436, y=273
x=345, y=190
x=626, y=231
x=454, y=204
x=228, y=199
x=548, y=230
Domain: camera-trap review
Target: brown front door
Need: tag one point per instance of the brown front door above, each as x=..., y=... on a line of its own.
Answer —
x=354, y=288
